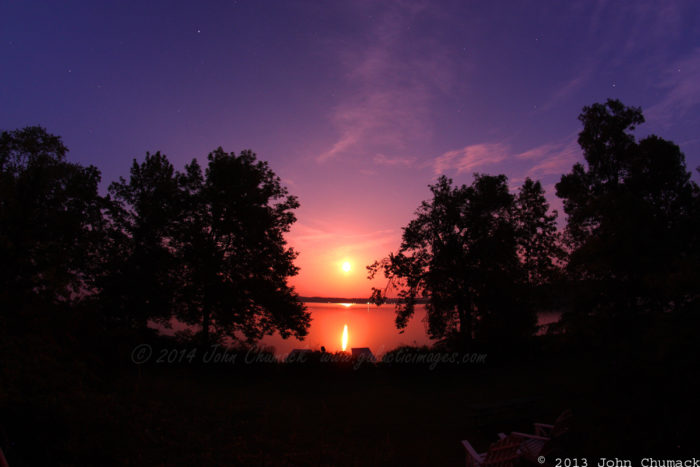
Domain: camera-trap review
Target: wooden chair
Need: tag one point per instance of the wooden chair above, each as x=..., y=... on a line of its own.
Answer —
x=503, y=453
x=545, y=438
x=561, y=426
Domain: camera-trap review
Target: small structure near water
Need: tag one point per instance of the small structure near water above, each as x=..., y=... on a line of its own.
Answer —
x=363, y=353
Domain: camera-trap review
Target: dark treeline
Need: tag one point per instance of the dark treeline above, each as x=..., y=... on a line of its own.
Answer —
x=477, y=254
x=205, y=247
x=626, y=265
x=84, y=275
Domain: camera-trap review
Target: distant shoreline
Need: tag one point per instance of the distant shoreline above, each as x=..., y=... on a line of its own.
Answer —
x=355, y=301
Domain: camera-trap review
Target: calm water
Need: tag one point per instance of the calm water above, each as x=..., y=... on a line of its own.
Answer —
x=368, y=326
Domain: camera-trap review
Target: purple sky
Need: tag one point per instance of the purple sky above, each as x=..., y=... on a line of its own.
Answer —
x=357, y=105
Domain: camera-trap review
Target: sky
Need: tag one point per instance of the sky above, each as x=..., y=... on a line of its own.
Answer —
x=357, y=106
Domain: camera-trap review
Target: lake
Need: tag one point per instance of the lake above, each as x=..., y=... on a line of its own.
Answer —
x=368, y=326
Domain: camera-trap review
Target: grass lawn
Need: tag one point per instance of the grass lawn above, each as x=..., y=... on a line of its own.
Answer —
x=300, y=415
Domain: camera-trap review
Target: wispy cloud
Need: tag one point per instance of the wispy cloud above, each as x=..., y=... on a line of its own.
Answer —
x=569, y=88
x=396, y=161
x=379, y=118
x=470, y=157
x=538, y=152
x=682, y=87
x=304, y=235
x=652, y=21
x=389, y=89
x=546, y=159
x=551, y=158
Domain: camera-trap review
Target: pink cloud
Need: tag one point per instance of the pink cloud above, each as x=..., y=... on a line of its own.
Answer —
x=381, y=159
x=323, y=231
x=552, y=158
x=470, y=157
x=538, y=152
x=547, y=159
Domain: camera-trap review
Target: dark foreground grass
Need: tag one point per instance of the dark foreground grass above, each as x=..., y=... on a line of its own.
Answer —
x=53, y=414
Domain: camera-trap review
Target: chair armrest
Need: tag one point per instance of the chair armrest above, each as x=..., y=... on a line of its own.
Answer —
x=473, y=457
x=543, y=429
x=529, y=436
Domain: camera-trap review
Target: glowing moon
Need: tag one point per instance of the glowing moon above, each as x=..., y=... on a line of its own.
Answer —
x=346, y=266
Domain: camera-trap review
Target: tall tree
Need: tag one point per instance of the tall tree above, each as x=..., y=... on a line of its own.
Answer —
x=539, y=247
x=140, y=278
x=460, y=254
x=50, y=219
x=235, y=261
x=631, y=218
x=537, y=236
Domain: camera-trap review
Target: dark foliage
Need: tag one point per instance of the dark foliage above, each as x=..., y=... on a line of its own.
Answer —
x=208, y=248
x=233, y=258
x=139, y=276
x=474, y=252
x=50, y=220
x=632, y=223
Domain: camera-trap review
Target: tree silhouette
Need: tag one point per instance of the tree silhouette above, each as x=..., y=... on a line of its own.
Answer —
x=231, y=248
x=50, y=219
x=139, y=277
x=539, y=247
x=538, y=240
x=632, y=219
x=461, y=253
